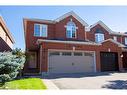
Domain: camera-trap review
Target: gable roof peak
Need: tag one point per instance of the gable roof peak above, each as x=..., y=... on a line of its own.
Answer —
x=72, y=13
x=106, y=27
x=103, y=25
x=113, y=41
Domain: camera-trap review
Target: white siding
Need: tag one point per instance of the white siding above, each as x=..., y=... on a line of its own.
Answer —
x=9, y=42
x=2, y=34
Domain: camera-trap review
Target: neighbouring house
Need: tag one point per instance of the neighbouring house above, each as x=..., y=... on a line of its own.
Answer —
x=69, y=45
x=6, y=39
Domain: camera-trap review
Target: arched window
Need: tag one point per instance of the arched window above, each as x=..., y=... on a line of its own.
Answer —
x=71, y=30
x=99, y=36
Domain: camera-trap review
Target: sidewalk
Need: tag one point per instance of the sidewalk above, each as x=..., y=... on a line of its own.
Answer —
x=50, y=85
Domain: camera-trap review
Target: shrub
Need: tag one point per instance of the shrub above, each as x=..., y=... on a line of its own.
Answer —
x=4, y=77
x=10, y=65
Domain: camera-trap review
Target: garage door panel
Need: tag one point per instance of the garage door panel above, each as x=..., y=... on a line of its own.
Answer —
x=58, y=64
x=71, y=64
x=84, y=69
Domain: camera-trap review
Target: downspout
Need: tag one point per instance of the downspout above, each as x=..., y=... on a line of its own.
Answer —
x=85, y=34
x=121, y=40
x=40, y=59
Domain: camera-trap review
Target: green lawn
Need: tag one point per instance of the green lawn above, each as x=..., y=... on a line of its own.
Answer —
x=26, y=83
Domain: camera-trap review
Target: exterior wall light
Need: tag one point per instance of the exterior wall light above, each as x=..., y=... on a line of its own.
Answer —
x=73, y=48
x=109, y=50
x=121, y=55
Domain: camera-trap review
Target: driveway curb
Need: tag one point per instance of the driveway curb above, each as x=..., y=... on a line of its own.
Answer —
x=50, y=85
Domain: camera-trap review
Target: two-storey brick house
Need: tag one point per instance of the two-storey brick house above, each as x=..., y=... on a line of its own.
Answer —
x=69, y=45
x=6, y=39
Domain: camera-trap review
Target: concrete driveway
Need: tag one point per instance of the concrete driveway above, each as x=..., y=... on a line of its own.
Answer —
x=90, y=81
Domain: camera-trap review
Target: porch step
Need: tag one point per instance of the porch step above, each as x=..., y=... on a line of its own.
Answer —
x=32, y=74
x=124, y=70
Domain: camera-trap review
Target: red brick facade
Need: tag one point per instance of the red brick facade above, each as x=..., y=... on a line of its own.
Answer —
x=91, y=34
x=57, y=30
x=113, y=47
x=60, y=30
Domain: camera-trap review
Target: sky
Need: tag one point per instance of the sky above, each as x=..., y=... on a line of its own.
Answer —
x=115, y=17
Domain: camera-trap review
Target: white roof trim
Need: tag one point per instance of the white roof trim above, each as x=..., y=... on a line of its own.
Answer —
x=117, y=33
x=107, y=28
x=87, y=29
x=119, y=44
x=74, y=15
x=103, y=25
x=40, y=20
x=124, y=49
x=67, y=42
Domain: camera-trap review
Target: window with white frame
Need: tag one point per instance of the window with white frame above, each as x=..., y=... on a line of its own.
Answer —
x=99, y=37
x=71, y=30
x=40, y=30
x=125, y=40
x=115, y=38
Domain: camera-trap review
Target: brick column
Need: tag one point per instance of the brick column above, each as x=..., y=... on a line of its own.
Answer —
x=44, y=58
x=98, y=66
x=120, y=62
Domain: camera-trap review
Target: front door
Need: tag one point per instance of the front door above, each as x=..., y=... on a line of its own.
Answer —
x=32, y=60
x=124, y=60
x=109, y=61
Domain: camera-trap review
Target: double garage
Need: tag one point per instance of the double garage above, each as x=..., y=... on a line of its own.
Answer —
x=80, y=61
x=71, y=62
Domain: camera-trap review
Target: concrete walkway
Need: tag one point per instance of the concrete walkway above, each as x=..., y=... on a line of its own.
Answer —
x=50, y=85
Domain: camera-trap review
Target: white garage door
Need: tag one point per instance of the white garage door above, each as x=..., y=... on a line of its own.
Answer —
x=70, y=62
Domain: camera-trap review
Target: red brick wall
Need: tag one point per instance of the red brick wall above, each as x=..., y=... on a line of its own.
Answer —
x=104, y=47
x=55, y=31
x=91, y=34
x=60, y=31
x=31, y=39
x=123, y=39
x=119, y=38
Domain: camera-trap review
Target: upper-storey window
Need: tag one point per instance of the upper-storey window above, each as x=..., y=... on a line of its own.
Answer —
x=71, y=30
x=99, y=36
x=40, y=30
x=115, y=38
x=125, y=40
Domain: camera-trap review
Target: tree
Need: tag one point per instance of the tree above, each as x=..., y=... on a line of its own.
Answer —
x=18, y=52
x=10, y=64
